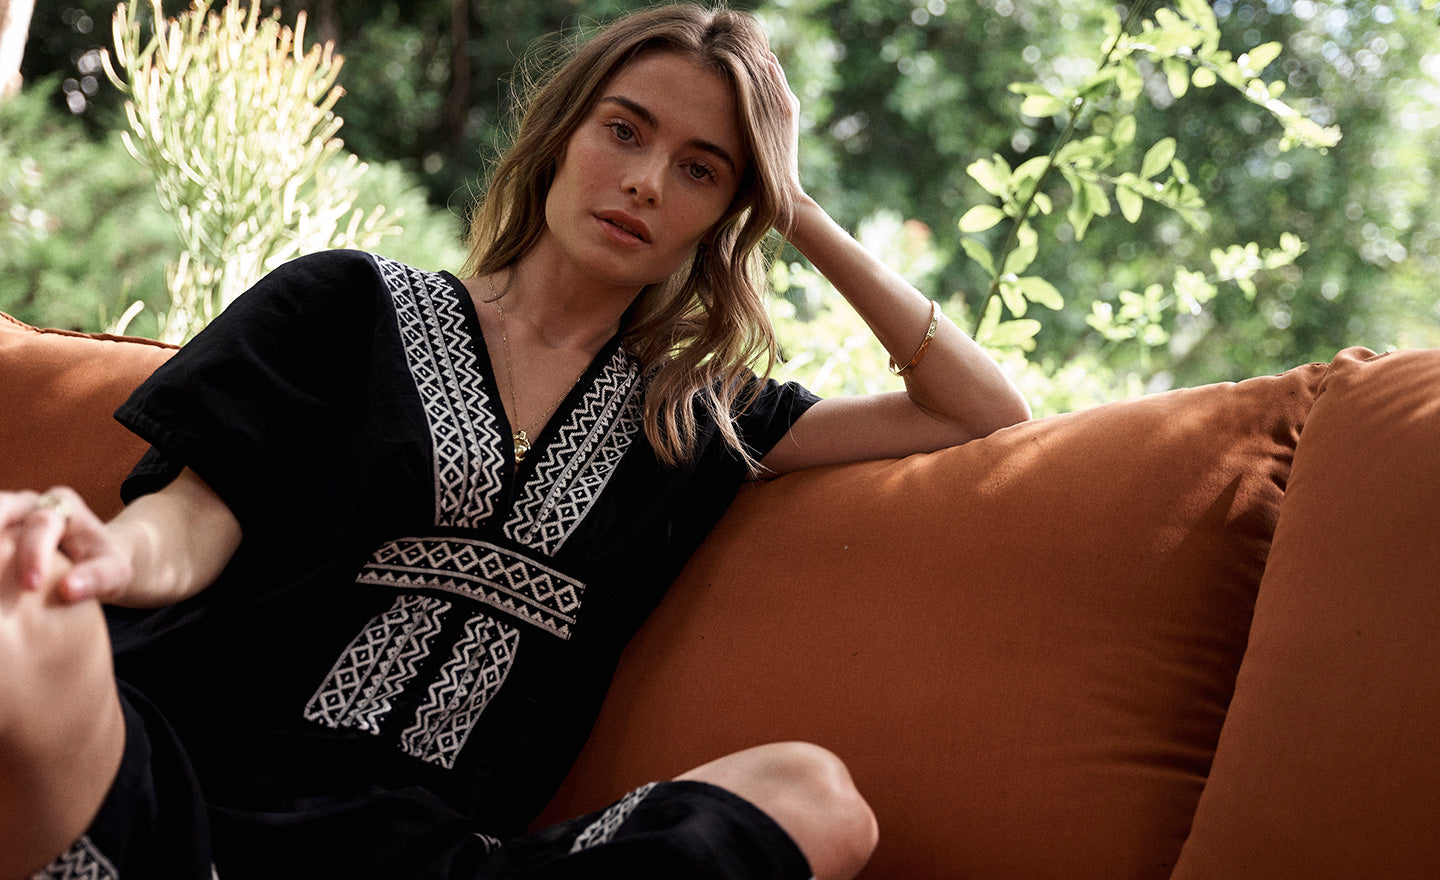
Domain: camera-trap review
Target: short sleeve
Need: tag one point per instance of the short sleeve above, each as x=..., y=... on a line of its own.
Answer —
x=253, y=403
x=771, y=414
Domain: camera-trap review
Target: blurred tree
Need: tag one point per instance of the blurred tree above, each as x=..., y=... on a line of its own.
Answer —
x=901, y=96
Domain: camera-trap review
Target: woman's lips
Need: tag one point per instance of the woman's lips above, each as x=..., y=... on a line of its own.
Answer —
x=625, y=225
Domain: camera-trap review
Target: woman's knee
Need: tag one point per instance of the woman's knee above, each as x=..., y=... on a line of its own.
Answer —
x=809, y=792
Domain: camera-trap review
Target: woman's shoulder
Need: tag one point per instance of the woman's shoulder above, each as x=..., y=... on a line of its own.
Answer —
x=344, y=279
x=337, y=269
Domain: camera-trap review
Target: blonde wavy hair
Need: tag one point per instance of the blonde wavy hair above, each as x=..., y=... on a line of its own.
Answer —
x=701, y=331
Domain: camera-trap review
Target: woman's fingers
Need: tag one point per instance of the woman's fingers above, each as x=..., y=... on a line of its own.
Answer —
x=98, y=566
x=57, y=522
x=37, y=534
x=15, y=506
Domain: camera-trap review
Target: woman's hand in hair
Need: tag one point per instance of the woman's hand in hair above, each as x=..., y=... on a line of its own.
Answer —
x=792, y=107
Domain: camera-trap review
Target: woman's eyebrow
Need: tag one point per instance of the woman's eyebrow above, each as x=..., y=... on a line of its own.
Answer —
x=649, y=119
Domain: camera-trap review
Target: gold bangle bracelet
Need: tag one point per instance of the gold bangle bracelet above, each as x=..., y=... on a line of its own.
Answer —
x=924, y=343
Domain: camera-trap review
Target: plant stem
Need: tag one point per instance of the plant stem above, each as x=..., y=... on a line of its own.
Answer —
x=1076, y=109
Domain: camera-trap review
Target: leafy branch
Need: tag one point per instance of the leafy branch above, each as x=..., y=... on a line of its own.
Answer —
x=1183, y=43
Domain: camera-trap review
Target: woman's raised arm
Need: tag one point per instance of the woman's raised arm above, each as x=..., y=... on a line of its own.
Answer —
x=954, y=392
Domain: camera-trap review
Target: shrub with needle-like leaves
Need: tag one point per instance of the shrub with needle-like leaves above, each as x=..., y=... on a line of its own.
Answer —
x=235, y=119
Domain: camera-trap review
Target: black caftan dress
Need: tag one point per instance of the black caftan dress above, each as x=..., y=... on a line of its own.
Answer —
x=403, y=659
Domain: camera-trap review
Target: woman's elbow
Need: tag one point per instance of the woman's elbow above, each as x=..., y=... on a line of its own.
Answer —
x=1011, y=410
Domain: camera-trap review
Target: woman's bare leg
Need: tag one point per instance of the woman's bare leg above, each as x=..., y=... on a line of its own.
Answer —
x=62, y=731
x=810, y=794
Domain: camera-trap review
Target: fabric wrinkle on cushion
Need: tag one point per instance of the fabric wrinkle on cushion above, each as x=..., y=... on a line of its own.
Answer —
x=57, y=391
x=1063, y=725
x=1327, y=766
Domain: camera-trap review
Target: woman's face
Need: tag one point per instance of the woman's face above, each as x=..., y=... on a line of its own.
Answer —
x=649, y=171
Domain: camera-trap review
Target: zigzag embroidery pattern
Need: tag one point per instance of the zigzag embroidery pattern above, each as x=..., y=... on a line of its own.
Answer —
x=600, y=831
x=580, y=462
x=469, y=679
x=382, y=659
x=447, y=374
x=82, y=861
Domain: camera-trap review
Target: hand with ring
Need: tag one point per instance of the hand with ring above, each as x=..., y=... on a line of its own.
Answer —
x=41, y=527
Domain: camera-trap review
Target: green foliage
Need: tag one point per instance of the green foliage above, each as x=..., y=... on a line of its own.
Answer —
x=234, y=119
x=424, y=236
x=1184, y=44
x=80, y=232
x=899, y=99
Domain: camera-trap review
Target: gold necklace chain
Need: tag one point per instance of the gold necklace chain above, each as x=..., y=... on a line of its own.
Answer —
x=520, y=440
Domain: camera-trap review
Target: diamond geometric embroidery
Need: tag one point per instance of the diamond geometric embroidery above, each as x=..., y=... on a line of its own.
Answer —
x=82, y=861
x=602, y=829
x=361, y=686
x=472, y=675
x=479, y=570
x=446, y=372
x=578, y=464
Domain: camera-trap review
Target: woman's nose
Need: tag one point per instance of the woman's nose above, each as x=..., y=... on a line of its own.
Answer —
x=643, y=181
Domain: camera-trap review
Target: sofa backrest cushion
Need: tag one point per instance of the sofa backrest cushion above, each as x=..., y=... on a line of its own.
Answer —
x=58, y=390
x=1329, y=762
x=1022, y=647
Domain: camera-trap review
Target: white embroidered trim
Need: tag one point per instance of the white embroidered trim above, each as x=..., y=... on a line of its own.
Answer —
x=479, y=570
x=378, y=664
x=600, y=831
x=578, y=464
x=463, y=428
x=470, y=678
x=82, y=861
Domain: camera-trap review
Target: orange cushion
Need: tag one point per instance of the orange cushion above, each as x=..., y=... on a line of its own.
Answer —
x=1329, y=763
x=58, y=390
x=1023, y=647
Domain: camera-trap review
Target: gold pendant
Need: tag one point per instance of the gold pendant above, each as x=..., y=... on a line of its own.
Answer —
x=522, y=445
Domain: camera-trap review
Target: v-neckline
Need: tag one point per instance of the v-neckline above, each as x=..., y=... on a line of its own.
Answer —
x=563, y=411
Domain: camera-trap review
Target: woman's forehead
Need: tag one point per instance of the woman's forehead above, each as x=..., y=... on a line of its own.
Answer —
x=677, y=91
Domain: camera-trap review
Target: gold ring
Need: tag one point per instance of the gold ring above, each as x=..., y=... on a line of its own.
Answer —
x=50, y=501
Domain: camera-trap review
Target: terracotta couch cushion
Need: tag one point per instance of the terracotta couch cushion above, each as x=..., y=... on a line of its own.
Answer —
x=1328, y=766
x=57, y=393
x=1024, y=647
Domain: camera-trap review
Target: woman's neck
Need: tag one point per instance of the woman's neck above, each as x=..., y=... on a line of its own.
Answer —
x=557, y=306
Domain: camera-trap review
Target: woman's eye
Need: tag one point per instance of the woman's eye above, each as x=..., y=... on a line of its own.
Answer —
x=701, y=171
x=623, y=131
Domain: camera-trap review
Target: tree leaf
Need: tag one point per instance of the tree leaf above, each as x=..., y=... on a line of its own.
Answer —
x=1199, y=12
x=1019, y=259
x=1019, y=333
x=993, y=175
x=1131, y=204
x=1099, y=199
x=1256, y=60
x=989, y=321
x=1124, y=133
x=1014, y=298
x=1042, y=106
x=980, y=254
x=1029, y=171
x=981, y=218
x=1041, y=292
x=1177, y=76
x=1158, y=157
x=1080, y=214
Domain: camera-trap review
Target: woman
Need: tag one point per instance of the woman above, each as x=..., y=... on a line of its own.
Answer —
x=397, y=526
